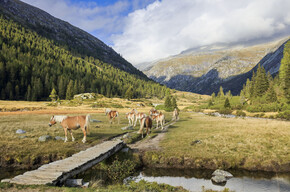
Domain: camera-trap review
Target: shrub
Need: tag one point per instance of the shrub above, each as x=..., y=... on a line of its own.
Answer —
x=225, y=111
x=284, y=115
x=241, y=113
x=119, y=170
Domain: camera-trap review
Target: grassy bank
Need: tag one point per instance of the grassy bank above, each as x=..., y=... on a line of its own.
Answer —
x=252, y=144
x=29, y=152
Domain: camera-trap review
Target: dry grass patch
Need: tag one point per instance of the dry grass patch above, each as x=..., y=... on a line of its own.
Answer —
x=233, y=143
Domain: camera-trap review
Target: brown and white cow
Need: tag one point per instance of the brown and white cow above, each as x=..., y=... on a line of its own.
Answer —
x=112, y=115
x=139, y=116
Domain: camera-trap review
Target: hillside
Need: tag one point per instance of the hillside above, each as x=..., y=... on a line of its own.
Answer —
x=205, y=69
x=31, y=65
x=75, y=40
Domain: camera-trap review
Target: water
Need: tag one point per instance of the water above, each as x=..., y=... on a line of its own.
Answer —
x=195, y=180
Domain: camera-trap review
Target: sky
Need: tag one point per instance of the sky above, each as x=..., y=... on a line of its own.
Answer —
x=147, y=30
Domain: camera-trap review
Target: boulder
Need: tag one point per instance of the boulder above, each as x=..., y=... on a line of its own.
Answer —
x=125, y=150
x=130, y=127
x=44, y=138
x=20, y=131
x=220, y=172
x=59, y=138
x=219, y=180
x=22, y=137
x=74, y=182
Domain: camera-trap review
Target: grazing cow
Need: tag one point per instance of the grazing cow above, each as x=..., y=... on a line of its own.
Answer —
x=139, y=116
x=131, y=118
x=175, y=115
x=145, y=122
x=72, y=123
x=159, y=117
x=112, y=115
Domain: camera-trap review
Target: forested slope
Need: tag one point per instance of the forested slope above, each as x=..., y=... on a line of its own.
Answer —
x=32, y=65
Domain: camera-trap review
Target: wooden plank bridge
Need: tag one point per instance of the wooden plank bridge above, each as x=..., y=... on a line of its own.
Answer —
x=55, y=173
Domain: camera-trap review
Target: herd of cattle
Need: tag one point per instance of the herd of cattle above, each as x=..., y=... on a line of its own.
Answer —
x=146, y=121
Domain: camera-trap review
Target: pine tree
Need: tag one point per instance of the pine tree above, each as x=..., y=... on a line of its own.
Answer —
x=261, y=83
x=53, y=95
x=173, y=103
x=29, y=93
x=284, y=72
x=129, y=93
x=61, y=88
x=271, y=94
x=221, y=93
x=227, y=103
x=69, y=90
x=167, y=102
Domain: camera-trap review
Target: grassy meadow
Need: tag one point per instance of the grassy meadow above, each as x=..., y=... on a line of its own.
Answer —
x=253, y=144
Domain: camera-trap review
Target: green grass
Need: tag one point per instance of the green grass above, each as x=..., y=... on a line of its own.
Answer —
x=30, y=151
x=226, y=143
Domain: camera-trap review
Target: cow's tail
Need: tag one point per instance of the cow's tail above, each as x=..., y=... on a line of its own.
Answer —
x=87, y=125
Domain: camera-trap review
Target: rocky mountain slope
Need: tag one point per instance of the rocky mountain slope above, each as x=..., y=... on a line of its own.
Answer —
x=72, y=38
x=205, y=69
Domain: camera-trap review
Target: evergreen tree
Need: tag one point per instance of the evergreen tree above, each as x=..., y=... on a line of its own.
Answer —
x=213, y=96
x=70, y=91
x=271, y=94
x=221, y=92
x=284, y=72
x=29, y=93
x=53, y=95
x=227, y=103
x=167, y=102
x=261, y=83
x=173, y=103
x=229, y=94
x=61, y=88
x=129, y=93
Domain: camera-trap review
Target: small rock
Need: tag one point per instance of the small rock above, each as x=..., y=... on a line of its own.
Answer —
x=86, y=185
x=44, y=138
x=95, y=121
x=74, y=182
x=219, y=172
x=127, y=128
x=219, y=180
x=20, y=131
x=5, y=181
x=195, y=142
x=22, y=137
x=126, y=136
x=125, y=150
x=59, y=138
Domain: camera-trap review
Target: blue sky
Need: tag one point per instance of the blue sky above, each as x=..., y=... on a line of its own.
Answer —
x=147, y=30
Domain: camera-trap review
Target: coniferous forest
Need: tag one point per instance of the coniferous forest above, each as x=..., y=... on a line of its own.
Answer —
x=31, y=66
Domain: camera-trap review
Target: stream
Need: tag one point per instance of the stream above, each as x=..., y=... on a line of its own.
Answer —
x=195, y=180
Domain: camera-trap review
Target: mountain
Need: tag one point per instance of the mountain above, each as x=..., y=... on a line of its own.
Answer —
x=74, y=39
x=39, y=53
x=203, y=70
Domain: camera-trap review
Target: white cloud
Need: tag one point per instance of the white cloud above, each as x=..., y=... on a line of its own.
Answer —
x=168, y=27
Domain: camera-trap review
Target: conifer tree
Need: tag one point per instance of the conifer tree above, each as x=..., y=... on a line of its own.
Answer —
x=167, y=102
x=284, y=72
x=173, y=103
x=129, y=93
x=227, y=103
x=221, y=92
x=53, y=95
x=69, y=91
x=271, y=95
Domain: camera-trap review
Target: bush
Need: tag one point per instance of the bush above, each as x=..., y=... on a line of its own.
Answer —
x=240, y=113
x=119, y=170
x=225, y=111
x=162, y=107
x=284, y=115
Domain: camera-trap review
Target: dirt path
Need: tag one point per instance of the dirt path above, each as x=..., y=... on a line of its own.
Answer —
x=151, y=143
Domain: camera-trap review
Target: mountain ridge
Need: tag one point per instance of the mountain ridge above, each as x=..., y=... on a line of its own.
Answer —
x=72, y=38
x=203, y=71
